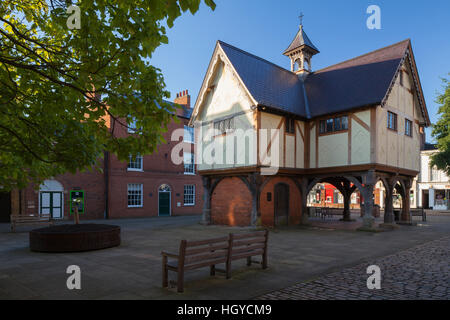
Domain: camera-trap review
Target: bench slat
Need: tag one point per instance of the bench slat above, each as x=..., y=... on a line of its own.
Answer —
x=247, y=242
x=206, y=249
x=207, y=241
x=195, y=258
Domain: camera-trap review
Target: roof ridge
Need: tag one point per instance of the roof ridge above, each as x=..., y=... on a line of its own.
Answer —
x=363, y=55
x=255, y=56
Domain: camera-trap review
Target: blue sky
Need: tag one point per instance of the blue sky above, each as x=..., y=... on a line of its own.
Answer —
x=338, y=28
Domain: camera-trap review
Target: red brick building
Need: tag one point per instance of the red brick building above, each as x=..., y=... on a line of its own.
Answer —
x=146, y=186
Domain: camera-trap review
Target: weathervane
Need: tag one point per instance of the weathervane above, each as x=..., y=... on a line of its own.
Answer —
x=301, y=18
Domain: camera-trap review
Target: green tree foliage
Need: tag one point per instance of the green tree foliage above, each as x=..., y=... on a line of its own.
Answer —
x=441, y=131
x=51, y=77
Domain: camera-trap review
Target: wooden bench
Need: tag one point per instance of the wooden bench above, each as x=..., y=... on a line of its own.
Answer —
x=246, y=246
x=419, y=212
x=211, y=252
x=28, y=220
x=194, y=255
x=330, y=212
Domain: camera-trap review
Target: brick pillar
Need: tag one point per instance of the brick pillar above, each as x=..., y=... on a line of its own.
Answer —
x=206, y=212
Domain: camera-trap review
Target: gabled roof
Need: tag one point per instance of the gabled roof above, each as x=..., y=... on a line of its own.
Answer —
x=358, y=82
x=270, y=85
x=301, y=39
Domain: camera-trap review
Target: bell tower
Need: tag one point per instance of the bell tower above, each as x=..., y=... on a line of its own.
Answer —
x=300, y=51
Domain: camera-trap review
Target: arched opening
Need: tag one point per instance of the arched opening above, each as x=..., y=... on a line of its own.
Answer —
x=334, y=198
x=164, y=200
x=51, y=199
x=281, y=204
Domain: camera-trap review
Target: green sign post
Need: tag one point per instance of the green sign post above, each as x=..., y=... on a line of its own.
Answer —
x=77, y=199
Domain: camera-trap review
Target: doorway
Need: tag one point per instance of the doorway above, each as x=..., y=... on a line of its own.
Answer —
x=51, y=199
x=281, y=205
x=164, y=199
x=5, y=206
x=51, y=204
x=425, y=199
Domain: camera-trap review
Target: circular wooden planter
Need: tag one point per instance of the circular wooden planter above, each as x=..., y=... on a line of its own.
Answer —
x=74, y=238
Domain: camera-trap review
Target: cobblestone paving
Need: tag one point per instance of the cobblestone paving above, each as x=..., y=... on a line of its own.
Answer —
x=421, y=272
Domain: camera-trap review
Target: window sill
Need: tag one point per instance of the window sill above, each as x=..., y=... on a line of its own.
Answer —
x=134, y=207
x=189, y=205
x=135, y=170
x=189, y=173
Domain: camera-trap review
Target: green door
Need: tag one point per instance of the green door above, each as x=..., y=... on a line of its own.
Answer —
x=164, y=204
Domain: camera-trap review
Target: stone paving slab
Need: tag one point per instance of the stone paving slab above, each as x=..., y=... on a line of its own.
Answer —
x=421, y=272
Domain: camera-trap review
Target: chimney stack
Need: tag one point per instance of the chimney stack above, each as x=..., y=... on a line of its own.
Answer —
x=183, y=98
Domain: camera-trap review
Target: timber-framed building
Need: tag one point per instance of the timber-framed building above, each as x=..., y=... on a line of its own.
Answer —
x=351, y=125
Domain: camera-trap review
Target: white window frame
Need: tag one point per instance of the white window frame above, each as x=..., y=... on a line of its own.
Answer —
x=188, y=164
x=189, y=135
x=138, y=187
x=135, y=169
x=189, y=204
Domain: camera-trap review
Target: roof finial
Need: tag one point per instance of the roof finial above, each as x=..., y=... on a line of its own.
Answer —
x=301, y=19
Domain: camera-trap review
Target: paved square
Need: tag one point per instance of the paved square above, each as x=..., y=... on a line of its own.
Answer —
x=296, y=255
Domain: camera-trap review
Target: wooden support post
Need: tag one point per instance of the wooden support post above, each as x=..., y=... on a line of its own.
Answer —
x=206, y=212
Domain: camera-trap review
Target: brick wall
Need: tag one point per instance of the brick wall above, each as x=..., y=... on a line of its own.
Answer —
x=92, y=182
x=231, y=203
x=158, y=169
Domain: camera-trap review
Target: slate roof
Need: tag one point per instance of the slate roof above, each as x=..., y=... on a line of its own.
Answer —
x=300, y=39
x=182, y=110
x=358, y=82
x=354, y=83
x=270, y=85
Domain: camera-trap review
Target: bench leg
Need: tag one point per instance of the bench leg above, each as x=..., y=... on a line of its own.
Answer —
x=165, y=273
x=228, y=270
x=212, y=270
x=264, y=260
x=180, y=282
